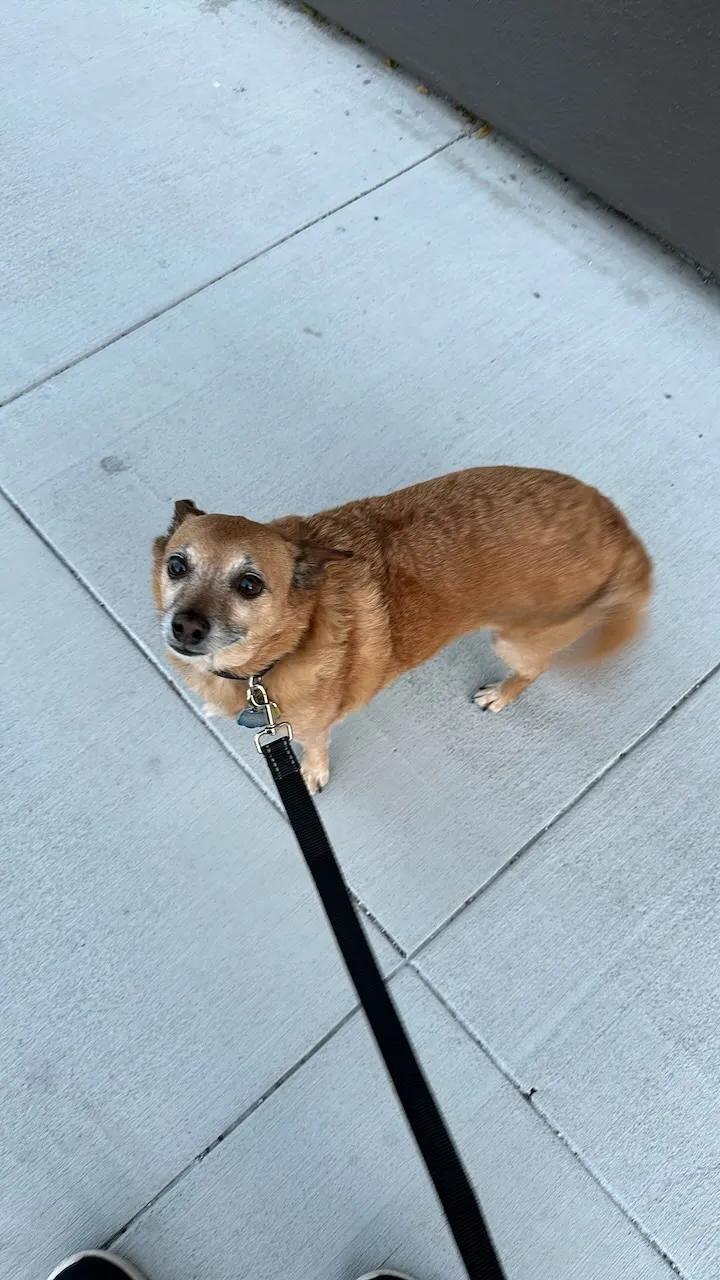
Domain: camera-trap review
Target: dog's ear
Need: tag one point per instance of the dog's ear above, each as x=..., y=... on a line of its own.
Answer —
x=310, y=562
x=183, y=508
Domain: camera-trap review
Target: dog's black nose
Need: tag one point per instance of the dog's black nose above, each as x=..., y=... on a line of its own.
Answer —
x=190, y=629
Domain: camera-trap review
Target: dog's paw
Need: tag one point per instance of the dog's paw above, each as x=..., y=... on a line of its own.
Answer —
x=316, y=775
x=491, y=698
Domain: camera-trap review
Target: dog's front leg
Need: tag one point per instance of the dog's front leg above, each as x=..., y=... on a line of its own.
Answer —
x=316, y=758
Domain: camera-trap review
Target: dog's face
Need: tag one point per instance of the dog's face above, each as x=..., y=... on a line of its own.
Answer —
x=229, y=589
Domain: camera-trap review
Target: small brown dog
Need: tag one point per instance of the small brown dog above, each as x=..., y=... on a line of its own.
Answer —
x=334, y=606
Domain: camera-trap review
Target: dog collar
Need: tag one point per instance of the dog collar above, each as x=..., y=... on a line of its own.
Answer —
x=256, y=675
x=254, y=716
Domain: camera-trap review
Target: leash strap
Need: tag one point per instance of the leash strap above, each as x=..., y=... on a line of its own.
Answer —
x=451, y=1182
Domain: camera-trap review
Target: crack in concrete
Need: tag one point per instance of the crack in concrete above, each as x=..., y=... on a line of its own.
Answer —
x=530, y=1097
x=97, y=347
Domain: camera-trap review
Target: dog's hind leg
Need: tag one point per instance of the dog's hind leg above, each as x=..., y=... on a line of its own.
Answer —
x=528, y=652
x=610, y=621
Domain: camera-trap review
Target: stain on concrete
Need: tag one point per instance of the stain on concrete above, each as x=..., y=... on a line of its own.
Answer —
x=112, y=465
x=639, y=297
x=215, y=6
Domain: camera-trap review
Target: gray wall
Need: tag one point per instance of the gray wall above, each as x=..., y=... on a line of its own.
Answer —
x=623, y=95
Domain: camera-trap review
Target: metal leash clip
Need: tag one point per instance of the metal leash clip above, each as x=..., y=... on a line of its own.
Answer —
x=257, y=696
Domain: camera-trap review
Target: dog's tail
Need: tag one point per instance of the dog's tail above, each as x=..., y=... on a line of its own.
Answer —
x=618, y=614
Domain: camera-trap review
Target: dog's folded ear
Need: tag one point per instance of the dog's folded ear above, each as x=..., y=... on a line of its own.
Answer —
x=310, y=562
x=184, y=507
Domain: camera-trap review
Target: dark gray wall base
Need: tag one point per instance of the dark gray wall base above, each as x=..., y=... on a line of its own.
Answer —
x=622, y=95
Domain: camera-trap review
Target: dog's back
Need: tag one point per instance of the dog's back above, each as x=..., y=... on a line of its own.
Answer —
x=494, y=547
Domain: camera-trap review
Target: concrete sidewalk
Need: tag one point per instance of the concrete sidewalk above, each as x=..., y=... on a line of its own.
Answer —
x=247, y=263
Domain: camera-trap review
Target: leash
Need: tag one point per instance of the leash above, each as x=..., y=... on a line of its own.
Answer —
x=437, y=1149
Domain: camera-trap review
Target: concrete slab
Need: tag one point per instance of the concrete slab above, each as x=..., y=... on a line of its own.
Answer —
x=168, y=979
x=323, y=1181
x=164, y=960
x=590, y=969
x=150, y=146
x=475, y=310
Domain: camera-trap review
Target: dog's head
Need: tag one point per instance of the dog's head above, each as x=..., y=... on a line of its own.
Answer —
x=230, y=591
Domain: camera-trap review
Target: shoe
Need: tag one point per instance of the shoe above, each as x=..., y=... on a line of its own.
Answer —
x=96, y=1264
x=385, y=1275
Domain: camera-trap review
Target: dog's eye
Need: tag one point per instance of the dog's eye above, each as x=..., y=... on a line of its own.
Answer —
x=249, y=585
x=177, y=566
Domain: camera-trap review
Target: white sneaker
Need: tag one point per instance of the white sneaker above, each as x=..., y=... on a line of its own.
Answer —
x=385, y=1275
x=95, y=1264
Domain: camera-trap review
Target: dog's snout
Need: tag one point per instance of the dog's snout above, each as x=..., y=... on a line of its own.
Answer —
x=190, y=629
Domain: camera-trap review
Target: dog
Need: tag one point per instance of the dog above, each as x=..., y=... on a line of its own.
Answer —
x=330, y=608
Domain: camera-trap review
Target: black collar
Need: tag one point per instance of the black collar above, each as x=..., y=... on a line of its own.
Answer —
x=257, y=675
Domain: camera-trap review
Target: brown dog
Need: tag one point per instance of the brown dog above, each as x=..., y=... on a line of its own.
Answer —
x=334, y=606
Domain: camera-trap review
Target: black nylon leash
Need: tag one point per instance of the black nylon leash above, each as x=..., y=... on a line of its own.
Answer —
x=443, y=1164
